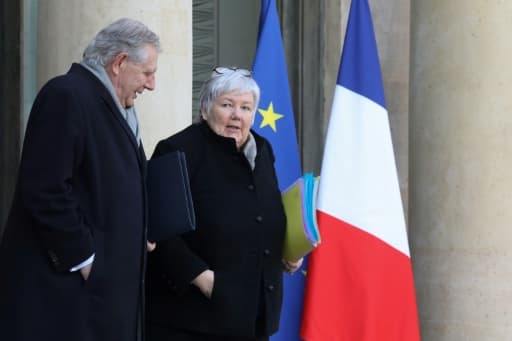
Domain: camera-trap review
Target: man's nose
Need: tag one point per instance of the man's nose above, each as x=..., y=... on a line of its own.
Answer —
x=150, y=83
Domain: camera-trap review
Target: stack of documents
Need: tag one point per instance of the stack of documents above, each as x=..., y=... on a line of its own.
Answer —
x=299, y=201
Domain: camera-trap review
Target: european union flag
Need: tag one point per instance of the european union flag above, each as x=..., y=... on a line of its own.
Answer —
x=274, y=120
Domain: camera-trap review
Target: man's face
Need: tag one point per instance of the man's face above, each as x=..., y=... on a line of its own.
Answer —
x=133, y=79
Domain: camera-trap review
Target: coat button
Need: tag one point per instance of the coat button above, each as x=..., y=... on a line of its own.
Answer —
x=266, y=252
x=259, y=219
x=270, y=287
x=53, y=258
x=250, y=187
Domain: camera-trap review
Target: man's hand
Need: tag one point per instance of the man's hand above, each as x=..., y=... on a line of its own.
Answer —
x=86, y=271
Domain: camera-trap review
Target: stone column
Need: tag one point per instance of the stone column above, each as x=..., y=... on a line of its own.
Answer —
x=9, y=104
x=460, y=159
x=67, y=26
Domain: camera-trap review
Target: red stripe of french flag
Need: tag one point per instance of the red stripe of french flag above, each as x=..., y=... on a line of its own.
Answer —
x=365, y=295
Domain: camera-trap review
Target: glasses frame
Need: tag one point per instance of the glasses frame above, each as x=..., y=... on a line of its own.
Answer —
x=221, y=70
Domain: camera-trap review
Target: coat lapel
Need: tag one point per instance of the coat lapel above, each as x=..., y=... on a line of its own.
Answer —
x=114, y=110
x=107, y=98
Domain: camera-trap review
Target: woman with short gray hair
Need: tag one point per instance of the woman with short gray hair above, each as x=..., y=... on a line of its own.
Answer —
x=223, y=281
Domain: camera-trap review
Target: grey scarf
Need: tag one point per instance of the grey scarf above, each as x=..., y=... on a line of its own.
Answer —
x=129, y=114
x=250, y=150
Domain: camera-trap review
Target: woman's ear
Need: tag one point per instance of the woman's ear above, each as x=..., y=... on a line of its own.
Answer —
x=204, y=115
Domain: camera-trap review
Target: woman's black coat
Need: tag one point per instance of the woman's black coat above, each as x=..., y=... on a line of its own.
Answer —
x=239, y=235
x=80, y=191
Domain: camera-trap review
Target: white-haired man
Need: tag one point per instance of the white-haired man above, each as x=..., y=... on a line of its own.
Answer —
x=73, y=252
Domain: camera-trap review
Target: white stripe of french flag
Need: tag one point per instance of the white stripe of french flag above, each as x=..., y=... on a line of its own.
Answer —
x=359, y=283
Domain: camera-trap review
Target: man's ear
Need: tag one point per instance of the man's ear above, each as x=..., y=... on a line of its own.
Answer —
x=119, y=62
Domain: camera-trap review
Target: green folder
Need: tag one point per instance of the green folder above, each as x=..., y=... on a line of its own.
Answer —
x=299, y=201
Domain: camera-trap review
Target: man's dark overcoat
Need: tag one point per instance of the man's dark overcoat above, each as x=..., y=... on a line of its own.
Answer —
x=80, y=191
x=240, y=232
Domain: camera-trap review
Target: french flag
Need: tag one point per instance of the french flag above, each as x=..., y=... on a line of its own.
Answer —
x=359, y=284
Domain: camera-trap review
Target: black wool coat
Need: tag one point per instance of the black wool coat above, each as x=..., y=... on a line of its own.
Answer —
x=80, y=191
x=239, y=235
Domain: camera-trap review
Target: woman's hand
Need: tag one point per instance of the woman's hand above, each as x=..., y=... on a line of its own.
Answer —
x=150, y=246
x=204, y=281
x=292, y=266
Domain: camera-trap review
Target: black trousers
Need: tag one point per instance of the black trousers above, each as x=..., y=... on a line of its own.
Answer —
x=160, y=333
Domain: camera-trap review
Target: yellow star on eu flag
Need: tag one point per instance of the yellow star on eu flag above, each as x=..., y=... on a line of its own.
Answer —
x=269, y=117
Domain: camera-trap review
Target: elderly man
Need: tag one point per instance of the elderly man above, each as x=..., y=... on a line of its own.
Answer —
x=72, y=257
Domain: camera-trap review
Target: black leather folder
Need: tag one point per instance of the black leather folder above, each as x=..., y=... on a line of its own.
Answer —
x=171, y=210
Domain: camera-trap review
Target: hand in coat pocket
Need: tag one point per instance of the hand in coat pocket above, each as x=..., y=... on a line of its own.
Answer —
x=204, y=281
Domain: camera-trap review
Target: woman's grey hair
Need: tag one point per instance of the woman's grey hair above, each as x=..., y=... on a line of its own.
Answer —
x=224, y=80
x=122, y=36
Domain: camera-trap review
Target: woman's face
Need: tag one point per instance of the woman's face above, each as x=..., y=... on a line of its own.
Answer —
x=232, y=115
